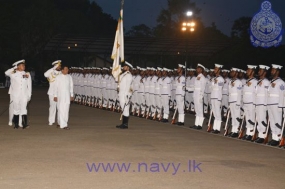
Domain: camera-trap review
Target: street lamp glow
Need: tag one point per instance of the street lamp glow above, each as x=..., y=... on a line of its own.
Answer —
x=192, y=24
x=192, y=29
x=189, y=13
x=183, y=29
x=184, y=24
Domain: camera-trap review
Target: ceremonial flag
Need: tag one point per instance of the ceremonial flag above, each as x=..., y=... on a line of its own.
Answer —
x=118, y=48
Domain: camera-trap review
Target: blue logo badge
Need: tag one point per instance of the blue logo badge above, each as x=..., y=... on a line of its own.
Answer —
x=266, y=28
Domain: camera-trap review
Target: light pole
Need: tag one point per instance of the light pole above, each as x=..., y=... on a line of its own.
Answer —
x=187, y=27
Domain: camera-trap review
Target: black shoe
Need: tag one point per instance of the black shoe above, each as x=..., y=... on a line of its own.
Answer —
x=229, y=135
x=216, y=132
x=180, y=124
x=248, y=138
x=164, y=120
x=244, y=137
x=119, y=126
x=199, y=127
x=193, y=127
x=259, y=140
x=274, y=143
x=25, y=121
x=234, y=135
x=123, y=126
x=16, y=121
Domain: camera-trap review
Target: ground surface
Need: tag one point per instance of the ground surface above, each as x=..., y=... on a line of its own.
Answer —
x=45, y=157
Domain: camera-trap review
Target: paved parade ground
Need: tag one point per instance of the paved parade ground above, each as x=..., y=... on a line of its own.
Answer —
x=147, y=155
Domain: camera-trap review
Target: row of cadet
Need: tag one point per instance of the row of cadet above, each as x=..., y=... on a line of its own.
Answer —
x=249, y=100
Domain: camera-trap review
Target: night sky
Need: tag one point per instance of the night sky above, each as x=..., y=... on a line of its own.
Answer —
x=222, y=12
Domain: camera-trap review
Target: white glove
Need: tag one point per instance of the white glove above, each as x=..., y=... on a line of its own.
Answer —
x=15, y=67
x=55, y=66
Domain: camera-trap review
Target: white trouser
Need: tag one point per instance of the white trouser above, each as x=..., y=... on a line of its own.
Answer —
x=141, y=102
x=216, y=108
x=249, y=113
x=275, y=117
x=225, y=104
x=261, y=120
x=20, y=105
x=198, y=103
x=158, y=104
x=147, y=102
x=52, y=109
x=11, y=111
x=165, y=105
x=125, y=105
x=235, y=112
x=180, y=108
x=63, y=113
x=152, y=103
x=135, y=101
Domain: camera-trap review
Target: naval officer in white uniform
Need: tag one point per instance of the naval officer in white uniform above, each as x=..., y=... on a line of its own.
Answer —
x=51, y=75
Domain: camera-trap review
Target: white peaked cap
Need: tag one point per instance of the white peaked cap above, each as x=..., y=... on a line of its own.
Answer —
x=192, y=69
x=206, y=70
x=181, y=66
x=164, y=69
x=19, y=62
x=235, y=69
x=56, y=62
x=142, y=69
x=264, y=67
x=153, y=69
x=276, y=66
x=129, y=64
x=224, y=70
x=138, y=67
x=148, y=68
x=211, y=70
x=159, y=68
x=251, y=66
x=219, y=66
x=200, y=65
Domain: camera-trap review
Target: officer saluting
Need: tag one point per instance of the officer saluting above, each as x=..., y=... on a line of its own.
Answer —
x=125, y=92
x=20, y=91
x=51, y=75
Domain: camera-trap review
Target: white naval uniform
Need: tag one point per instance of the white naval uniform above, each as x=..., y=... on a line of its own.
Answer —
x=225, y=98
x=207, y=94
x=125, y=92
x=216, y=100
x=180, y=94
x=152, y=85
x=135, y=97
x=261, y=106
x=198, y=95
x=51, y=75
x=190, y=89
x=141, y=95
x=165, y=92
x=63, y=91
x=158, y=101
x=235, y=90
x=275, y=104
x=146, y=89
x=249, y=104
x=20, y=90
